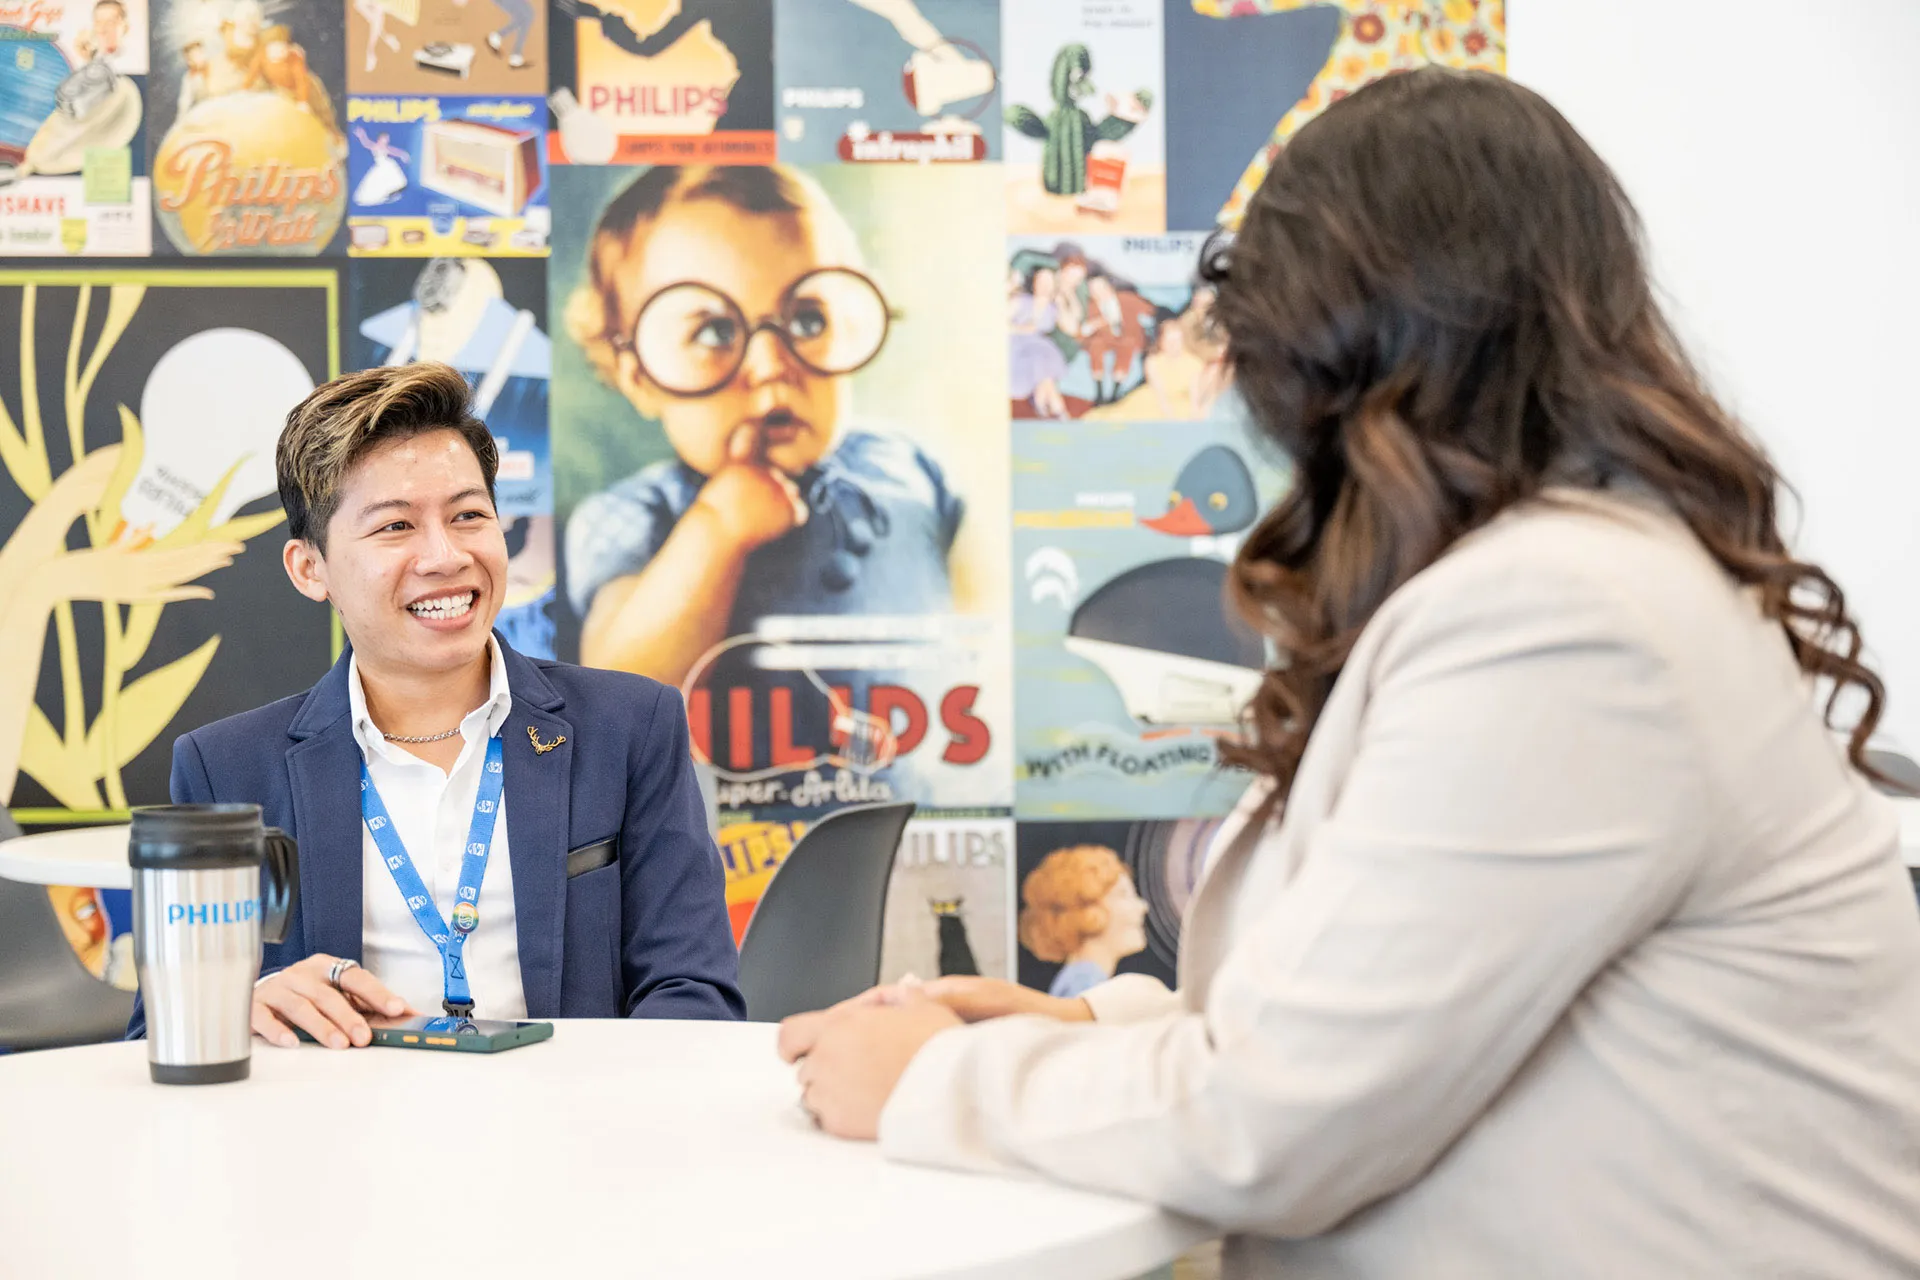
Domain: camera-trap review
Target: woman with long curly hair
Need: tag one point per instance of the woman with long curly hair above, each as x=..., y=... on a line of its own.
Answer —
x=1561, y=934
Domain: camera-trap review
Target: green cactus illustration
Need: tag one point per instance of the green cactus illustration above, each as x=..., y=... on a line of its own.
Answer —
x=1068, y=132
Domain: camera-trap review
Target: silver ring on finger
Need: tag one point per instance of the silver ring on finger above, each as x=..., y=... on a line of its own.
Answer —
x=339, y=970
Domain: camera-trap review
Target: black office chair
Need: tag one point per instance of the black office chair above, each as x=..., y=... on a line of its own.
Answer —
x=1898, y=769
x=814, y=938
x=48, y=1000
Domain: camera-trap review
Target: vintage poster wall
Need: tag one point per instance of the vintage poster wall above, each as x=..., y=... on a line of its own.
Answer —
x=73, y=151
x=938, y=384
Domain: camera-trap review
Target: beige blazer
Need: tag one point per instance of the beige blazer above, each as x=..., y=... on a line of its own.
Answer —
x=1578, y=952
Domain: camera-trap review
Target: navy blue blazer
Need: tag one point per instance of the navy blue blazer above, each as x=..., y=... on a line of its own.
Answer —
x=646, y=936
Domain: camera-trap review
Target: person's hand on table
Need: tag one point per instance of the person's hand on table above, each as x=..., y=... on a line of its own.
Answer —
x=978, y=999
x=300, y=996
x=851, y=1056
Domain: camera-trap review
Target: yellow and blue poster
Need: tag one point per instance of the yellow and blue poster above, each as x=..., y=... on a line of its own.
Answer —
x=434, y=177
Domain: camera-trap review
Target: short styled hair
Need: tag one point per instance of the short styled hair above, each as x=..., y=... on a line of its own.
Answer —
x=344, y=420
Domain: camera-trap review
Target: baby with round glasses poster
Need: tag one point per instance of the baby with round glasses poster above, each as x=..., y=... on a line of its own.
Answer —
x=785, y=480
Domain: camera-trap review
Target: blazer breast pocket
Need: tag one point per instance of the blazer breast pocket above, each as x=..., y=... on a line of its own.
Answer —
x=592, y=857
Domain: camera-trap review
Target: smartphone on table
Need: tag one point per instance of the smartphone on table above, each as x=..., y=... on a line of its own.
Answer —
x=449, y=1034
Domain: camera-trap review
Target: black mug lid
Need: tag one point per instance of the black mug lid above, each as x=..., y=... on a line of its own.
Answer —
x=192, y=837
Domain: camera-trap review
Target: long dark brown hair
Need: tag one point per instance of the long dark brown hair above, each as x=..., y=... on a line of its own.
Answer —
x=1437, y=305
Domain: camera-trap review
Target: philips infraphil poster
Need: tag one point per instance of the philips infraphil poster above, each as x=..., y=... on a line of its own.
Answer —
x=888, y=81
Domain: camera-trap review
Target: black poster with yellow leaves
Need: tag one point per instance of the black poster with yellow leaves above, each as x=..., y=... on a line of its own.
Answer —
x=141, y=592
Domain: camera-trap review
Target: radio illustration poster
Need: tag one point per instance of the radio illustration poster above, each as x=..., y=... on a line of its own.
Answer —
x=485, y=318
x=246, y=141
x=1128, y=665
x=433, y=177
x=874, y=81
x=73, y=162
x=662, y=81
x=433, y=47
x=780, y=465
x=141, y=562
x=1084, y=115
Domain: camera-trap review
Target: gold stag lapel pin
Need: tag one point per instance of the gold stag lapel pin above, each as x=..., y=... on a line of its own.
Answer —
x=541, y=748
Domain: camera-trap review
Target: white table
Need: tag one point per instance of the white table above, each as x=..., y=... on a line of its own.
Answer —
x=616, y=1149
x=95, y=857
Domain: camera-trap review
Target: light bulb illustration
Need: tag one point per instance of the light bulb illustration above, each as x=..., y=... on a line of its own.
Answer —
x=588, y=138
x=217, y=398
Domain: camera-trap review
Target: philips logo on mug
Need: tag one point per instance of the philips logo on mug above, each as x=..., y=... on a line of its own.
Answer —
x=242, y=911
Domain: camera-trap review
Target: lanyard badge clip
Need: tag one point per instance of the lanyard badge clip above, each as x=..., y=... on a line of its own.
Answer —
x=458, y=1008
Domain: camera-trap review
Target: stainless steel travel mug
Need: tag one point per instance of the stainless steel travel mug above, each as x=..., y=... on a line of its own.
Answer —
x=210, y=886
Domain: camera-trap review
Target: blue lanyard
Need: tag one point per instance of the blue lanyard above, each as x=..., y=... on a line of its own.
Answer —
x=458, y=1000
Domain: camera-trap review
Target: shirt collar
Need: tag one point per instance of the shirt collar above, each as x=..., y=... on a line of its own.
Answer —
x=492, y=713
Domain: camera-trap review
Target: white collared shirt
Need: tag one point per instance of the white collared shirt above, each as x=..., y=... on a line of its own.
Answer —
x=432, y=813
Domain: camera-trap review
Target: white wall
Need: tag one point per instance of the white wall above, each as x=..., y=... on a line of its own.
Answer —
x=1773, y=149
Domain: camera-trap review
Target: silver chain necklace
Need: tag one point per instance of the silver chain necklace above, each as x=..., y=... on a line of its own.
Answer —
x=431, y=737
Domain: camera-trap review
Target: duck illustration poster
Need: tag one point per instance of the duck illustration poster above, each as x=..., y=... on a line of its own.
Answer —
x=432, y=47
x=246, y=132
x=780, y=465
x=662, y=81
x=1244, y=75
x=486, y=318
x=1100, y=898
x=435, y=177
x=1110, y=329
x=1084, y=113
x=1128, y=667
x=73, y=155
x=888, y=81
x=139, y=531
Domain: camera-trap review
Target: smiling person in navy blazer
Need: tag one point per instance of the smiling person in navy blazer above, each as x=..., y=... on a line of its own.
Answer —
x=576, y=879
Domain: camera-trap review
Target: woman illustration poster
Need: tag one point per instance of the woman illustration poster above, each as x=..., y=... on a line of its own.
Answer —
x=1079, y=910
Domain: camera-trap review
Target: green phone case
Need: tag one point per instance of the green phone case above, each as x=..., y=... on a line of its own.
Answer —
x=453, y=1042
